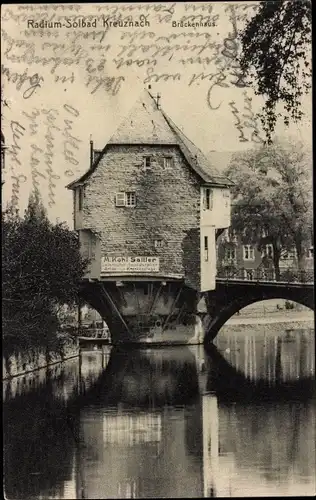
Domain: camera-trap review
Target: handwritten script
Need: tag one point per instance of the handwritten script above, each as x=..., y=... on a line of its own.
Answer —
x=58, y=61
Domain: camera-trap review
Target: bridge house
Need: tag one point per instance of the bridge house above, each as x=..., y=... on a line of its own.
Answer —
x=148, y=212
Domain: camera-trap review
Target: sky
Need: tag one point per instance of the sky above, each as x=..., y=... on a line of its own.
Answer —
x=66, y=85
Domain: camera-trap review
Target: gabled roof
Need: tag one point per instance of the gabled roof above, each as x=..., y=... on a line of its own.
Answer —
x=148, y=124
x=145, y=124
x=196, y=158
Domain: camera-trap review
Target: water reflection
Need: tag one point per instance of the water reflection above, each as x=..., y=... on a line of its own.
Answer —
x=250, y=367
x=39, y=433
x=168, y=422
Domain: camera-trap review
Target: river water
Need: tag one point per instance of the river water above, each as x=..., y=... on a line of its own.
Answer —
x=238, y=420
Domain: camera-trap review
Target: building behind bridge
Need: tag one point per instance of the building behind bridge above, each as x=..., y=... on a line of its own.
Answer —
x=236, y=255
x=148, y=212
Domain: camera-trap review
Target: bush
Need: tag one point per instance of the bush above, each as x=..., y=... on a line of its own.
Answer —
x=41, y=269
x=289, y=305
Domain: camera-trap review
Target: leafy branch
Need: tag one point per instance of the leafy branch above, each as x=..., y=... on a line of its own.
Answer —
x=276, y=58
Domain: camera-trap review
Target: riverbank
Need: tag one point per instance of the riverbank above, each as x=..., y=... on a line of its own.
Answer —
x=35, y=359
x=262, y=330
x=273, y=318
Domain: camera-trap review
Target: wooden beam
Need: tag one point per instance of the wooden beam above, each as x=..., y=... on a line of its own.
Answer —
x=136, y=295
x=111, y=301
x=172, y=309
x=150, y=294
x=154, y=301
x=182, y=308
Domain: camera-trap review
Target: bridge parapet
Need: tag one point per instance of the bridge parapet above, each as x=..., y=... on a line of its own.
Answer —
x=266, y=275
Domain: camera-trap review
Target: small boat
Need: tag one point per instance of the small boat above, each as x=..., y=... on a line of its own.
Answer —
x=94, y=340
x=95, y=335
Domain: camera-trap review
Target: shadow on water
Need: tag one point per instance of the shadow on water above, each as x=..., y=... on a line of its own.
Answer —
x=231, y=384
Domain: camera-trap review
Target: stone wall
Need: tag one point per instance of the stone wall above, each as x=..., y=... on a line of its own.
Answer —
x=34, y=359
x=167, y=208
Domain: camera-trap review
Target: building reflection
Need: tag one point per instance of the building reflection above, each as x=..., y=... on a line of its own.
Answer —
x=136, y=439
x=168, y=422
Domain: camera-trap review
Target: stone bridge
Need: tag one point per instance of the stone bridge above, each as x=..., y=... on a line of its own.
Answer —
x=161, y=313
x=231, y=295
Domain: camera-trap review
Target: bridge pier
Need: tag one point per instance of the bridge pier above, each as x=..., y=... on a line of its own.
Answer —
x=157, y=312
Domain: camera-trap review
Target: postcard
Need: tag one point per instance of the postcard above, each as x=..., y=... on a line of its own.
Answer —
x=158, y=256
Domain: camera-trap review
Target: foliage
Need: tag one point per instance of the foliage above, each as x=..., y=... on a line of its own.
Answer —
x=289, y=305
x=276, y=54
x=272, y=198
x=41, y=270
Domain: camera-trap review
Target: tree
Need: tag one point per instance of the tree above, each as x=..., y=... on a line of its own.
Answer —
x=276, y=55
x=42, y=268
x=272, y=198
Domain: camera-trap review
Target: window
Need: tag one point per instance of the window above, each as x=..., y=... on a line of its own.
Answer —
x=268, y=251
x=80, y=197
x=289, y=255
x=130, y=199
x=248, y=252
x=249, y=274
x=206, y=248
x=310, y=253
x=226, y=197
x=120, y=200
x=207, y=199
x=147, y=161
x=230, y=253
x=127, y=199
x=158, y=244
x=168, y=162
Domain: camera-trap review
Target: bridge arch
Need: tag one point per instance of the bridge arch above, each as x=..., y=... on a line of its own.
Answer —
x=230, y=299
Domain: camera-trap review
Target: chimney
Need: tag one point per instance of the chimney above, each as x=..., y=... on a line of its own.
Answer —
x=91, y=152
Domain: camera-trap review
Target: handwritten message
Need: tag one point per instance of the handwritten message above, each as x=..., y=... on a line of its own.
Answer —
x=152, y=37
x=73, y=71
x=48, y=125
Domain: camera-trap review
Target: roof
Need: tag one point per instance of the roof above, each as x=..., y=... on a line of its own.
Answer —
x=148, y=124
